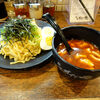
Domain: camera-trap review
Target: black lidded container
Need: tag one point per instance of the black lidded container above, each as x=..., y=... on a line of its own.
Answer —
x=80, y=33
x=3, y=12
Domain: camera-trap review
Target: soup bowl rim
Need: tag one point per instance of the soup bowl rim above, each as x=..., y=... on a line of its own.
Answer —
x=54, y=49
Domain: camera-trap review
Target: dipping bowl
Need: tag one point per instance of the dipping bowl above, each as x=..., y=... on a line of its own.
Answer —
x=80, y=33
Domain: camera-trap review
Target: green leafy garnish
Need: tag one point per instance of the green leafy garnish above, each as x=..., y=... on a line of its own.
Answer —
x=19, y=29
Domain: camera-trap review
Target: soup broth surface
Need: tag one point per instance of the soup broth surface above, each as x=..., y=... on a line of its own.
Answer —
x=84, y=55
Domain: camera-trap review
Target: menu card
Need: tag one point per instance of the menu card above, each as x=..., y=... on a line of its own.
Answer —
x=77, y=13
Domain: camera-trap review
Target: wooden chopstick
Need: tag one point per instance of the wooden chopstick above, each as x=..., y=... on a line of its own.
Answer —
x=86, y=10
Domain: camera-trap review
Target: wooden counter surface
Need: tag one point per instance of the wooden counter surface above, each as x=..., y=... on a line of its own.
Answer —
x=47, y=82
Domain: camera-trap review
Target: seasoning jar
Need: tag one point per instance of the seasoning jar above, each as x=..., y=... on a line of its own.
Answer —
x=21, y=8
x=49, y=7
x=35, y=9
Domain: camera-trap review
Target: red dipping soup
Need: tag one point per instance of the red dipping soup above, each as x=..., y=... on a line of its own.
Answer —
x=87, y=57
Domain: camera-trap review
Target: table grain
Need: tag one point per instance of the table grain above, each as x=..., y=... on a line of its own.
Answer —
x=46, y=81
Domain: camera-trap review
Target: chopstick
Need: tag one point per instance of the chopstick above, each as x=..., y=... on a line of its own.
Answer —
x=86, y=10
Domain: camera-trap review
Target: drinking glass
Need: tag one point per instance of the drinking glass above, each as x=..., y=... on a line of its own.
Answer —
x=21, y=9
x=35, y=9
x=49, y=7
x=10, y=8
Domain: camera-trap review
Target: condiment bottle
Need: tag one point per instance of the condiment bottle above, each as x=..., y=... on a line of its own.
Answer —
x=21, y=8
x=35, y=9
x=3, y=12
x=49, y=7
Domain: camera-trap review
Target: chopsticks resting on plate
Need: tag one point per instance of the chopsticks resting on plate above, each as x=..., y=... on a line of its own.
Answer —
x=86, y=10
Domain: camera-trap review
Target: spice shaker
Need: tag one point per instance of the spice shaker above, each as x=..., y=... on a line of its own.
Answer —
x=35, y=9
x=49, y=7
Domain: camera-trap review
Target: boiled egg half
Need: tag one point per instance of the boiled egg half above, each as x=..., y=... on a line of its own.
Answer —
x=46, y=38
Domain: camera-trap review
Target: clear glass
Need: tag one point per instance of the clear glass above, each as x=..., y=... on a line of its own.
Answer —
x=21, y=8
x=35, y=9
x=49, y=7
x=78, y=15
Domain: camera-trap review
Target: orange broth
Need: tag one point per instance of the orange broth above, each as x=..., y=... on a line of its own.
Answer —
x=87, y=57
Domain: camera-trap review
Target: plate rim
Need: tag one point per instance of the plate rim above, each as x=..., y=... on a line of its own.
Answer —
x=49, y=54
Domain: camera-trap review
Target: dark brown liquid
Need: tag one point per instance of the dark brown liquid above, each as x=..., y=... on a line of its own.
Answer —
x=3, y=12
x=86, y=56
x=51, y=10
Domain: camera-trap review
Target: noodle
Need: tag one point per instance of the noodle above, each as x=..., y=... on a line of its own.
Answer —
x=24, y=49
x=21, y=51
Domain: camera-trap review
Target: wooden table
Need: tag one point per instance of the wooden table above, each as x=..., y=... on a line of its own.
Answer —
x=47, y=82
